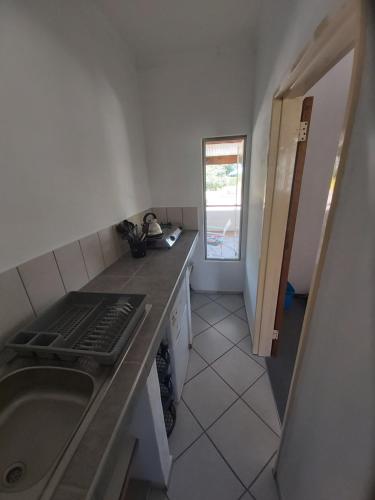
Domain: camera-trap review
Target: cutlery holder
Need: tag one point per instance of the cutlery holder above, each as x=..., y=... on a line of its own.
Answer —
x=138, y=248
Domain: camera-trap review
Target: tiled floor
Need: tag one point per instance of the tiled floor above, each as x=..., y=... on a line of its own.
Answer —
x=227, y=429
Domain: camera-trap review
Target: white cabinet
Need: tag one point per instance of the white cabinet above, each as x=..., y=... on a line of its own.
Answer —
x=152, y=460
x=179, y=334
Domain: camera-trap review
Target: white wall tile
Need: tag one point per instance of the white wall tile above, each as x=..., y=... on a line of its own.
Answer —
x=190, y=217
x=161, y=214
x=92, y=254
x=72, y=266
x=15, y=307
x=109, y=243
x=174, y=215
x=42, y=281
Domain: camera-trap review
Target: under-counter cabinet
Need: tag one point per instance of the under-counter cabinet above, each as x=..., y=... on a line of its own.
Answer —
x=152, y=460
x=179, y=336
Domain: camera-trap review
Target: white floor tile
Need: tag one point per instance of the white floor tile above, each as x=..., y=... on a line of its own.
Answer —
x=207, y=396
x=246, y=347
x=234, y=328
x=260, y=398
x=264, y=487
x=185, y=432
x=211, y=344
x=196, y=364
x=198, y=300
x=198, y=325
x=201, y=474
x=237, y=369
x=157, y=495
x=244, y=440
x=241, y=313
x=232, y=302
x=212, y=313
x=213, y=296
x=247, y=496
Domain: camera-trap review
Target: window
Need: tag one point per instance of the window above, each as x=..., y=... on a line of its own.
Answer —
x=223, y=167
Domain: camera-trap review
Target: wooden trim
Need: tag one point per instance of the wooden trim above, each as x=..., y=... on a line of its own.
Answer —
x=221, y=160
x=278, y=217
x=356, y=10
x=270, y=182
x=292, y=217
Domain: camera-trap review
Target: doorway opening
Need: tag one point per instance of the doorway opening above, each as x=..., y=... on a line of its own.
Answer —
x=323, y=115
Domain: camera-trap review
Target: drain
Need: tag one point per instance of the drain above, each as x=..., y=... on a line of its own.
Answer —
x=13, y=474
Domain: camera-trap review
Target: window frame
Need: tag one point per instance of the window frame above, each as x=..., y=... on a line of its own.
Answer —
x=224, y=139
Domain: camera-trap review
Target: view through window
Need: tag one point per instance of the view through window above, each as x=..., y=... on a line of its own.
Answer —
x=223, y=163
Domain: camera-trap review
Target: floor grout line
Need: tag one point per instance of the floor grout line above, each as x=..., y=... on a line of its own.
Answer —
x=210, y=365
x=216, y=322
x=221, y=305
x=236, y=343
x=217, y=298
x=259, y=416
x=261, y=472
x=251, y=356
x=199, y=333
x=239, y=397
x=226, y=462
x=228, y=384
x=200, y=371
x=252, y=384
x=205, y=433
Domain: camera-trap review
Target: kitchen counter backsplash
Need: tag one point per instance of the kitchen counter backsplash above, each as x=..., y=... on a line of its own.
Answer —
x=29, y=289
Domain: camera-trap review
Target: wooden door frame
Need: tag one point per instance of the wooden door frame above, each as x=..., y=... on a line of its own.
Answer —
x=298, y=171
x=336, y=36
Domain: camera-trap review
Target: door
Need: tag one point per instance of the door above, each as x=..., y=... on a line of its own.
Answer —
x=292, y=214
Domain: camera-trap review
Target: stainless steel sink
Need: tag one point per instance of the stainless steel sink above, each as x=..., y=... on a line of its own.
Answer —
x=40, y=409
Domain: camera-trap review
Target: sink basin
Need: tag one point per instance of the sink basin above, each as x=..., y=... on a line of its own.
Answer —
x=40, y=409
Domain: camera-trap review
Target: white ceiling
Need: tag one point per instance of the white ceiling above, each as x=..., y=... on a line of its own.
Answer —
x=155, y=29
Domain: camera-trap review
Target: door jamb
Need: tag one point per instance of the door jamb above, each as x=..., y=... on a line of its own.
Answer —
x=333, y=39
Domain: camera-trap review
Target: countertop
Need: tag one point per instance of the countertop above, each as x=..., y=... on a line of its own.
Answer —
x=158, y=276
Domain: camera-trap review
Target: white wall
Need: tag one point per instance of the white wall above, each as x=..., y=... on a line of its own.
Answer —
x=330, y=98
x=328, y=449
x=188, y=98
x=72, y=148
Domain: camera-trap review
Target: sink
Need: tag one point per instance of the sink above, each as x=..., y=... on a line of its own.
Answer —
x=40, y=409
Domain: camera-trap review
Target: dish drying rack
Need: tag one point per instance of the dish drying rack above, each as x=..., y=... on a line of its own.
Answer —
x=83, y=324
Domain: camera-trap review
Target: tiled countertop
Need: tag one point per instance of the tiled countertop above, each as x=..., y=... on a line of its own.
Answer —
x=158, y=276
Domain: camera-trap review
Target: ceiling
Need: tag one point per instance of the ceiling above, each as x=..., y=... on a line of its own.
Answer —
x=155, y=29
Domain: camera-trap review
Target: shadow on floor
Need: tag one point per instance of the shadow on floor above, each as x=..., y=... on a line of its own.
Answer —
x=280, y=368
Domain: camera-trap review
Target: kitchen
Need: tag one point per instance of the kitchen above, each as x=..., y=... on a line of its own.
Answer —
x=73, y=237
x=132, y=188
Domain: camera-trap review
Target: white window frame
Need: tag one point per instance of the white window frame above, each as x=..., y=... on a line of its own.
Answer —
x=224, y=139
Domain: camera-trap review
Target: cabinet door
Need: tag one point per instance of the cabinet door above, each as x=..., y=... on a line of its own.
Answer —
x=177, y=312
x=180, y=355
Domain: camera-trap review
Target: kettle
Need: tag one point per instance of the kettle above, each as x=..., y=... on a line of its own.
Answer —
x=154, y=230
